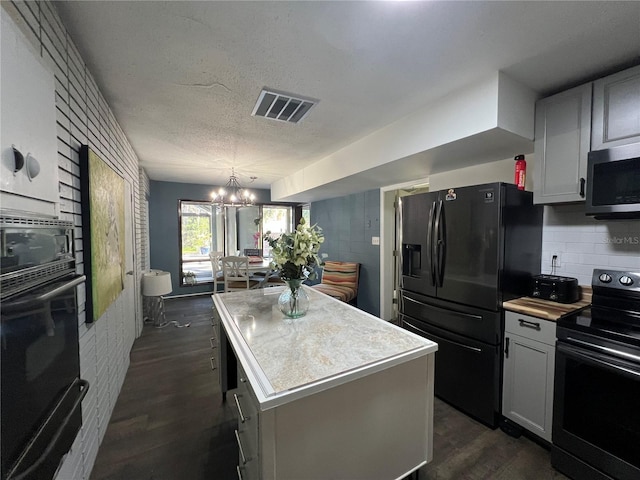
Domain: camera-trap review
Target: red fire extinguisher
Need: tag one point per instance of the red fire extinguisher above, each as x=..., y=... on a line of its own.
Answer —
x=521, y=171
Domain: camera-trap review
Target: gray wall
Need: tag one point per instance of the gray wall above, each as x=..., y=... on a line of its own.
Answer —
x=348, y=223
x=164, y=241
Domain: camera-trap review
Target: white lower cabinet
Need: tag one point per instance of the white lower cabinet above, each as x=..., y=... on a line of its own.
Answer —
x=332, y=433
x=529, y=357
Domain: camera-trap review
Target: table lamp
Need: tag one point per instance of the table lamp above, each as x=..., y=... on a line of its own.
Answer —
x=156, y=284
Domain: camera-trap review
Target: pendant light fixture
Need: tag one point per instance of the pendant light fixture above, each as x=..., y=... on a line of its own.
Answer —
x=233, y=194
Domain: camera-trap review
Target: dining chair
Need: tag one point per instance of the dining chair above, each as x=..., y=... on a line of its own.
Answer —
x=340, y=280
x=236, y=274
x=216, y=270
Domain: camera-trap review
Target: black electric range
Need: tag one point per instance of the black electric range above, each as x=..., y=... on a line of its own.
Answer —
x=596, y=424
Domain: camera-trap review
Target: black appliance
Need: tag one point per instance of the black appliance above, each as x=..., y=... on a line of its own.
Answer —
x=596, y=419
x=41, y=390
x=556, y=288
x=613, y=182
x=464, y=252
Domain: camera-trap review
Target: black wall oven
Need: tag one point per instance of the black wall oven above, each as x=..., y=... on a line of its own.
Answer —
x=596, y=424
x=41, y=389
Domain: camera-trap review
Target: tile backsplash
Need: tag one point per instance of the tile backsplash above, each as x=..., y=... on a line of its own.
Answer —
x=583, y=243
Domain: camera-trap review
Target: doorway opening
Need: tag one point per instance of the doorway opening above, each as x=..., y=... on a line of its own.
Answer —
x=390, y=239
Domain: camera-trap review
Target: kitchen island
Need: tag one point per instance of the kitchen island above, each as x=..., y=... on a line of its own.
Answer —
x=337, y=393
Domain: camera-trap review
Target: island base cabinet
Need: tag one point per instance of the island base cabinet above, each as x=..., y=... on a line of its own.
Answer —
x=370, y=428
x=529, y=357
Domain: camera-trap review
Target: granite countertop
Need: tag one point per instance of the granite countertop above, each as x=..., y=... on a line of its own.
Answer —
x=331, y=343
x=547, y=309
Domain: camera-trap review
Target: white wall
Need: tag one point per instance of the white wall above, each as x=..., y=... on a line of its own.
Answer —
x=500, y=171
x=84, y=117
x=492, y=103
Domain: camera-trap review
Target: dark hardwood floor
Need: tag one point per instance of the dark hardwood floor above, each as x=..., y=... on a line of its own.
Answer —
x=170, y=422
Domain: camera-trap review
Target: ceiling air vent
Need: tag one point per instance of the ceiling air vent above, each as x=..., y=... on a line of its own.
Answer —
x=282, y=106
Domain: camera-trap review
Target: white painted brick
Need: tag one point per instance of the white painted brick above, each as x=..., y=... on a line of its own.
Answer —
x=568, y=257
x=578, y=269
x=587, y=259
x=554, y=247
x=585, y=243
x=567, y=236
x=580, y=247
x=624, y=262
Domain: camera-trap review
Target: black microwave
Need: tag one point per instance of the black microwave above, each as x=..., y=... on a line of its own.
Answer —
x=613, y=182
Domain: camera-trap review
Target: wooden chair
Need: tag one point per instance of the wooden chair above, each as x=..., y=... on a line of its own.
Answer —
x=340, y=280
x=236, y=274
x=216, y=270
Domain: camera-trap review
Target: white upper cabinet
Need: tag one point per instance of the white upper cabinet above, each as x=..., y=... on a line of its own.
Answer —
x=562, y=142
x=616, y=110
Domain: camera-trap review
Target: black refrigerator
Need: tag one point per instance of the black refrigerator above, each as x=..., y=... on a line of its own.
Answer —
x=465, y=251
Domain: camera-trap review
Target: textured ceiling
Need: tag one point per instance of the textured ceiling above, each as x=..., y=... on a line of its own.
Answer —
x=182, y=77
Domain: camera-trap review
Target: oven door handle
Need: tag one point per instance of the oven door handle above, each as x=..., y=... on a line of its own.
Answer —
x=597, y=359
x=49, y=294
x=606, y=350
x=84, y=385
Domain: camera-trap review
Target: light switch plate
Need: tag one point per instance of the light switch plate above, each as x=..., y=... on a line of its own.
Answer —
x=375, y=240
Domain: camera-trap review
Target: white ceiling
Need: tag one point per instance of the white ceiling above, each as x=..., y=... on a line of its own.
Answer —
x=182, y=77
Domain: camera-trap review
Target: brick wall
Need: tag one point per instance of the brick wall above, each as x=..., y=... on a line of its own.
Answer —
x=84, y=117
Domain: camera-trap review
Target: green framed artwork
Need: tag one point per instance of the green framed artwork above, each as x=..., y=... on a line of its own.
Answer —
x=103, y=235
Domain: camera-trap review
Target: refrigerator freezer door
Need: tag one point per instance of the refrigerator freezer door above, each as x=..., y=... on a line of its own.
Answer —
x=479, y=324
x=472, y=245
x=467, y=373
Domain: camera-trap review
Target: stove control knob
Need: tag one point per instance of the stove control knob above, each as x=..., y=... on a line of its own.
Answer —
x=605, y=278
x=626, y=281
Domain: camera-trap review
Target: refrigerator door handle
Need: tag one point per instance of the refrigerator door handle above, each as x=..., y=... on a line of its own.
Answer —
x=440, y=244
x=443, y=233
x=431, y=243
x=399, y=245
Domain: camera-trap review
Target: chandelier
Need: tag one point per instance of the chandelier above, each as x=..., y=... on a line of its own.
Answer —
x=233, y=194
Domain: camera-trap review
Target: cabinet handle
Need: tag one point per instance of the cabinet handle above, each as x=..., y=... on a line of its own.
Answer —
x=239, y=473
x=242, y=419
x=506, y=347
x=243, y=380
x=582, y=182
x=211, y=340
x=525, y=323
x=213, y=367
x=244, y=459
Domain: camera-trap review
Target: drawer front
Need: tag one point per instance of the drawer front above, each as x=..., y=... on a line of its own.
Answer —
x=214, y=340
x=214, y=357
x=530, y=327
x=248, y=428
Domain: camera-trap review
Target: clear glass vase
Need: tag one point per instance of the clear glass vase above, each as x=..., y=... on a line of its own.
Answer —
x=294, y=301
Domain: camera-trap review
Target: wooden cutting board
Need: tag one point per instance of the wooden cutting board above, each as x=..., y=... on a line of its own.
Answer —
x=547, y=309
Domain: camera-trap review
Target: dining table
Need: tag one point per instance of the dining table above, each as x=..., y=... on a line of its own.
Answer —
x=260, y=270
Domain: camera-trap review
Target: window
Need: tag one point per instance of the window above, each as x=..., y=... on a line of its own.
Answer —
x=206, y=228
x=277, y=220
x=306, y=213
x=198, y=228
